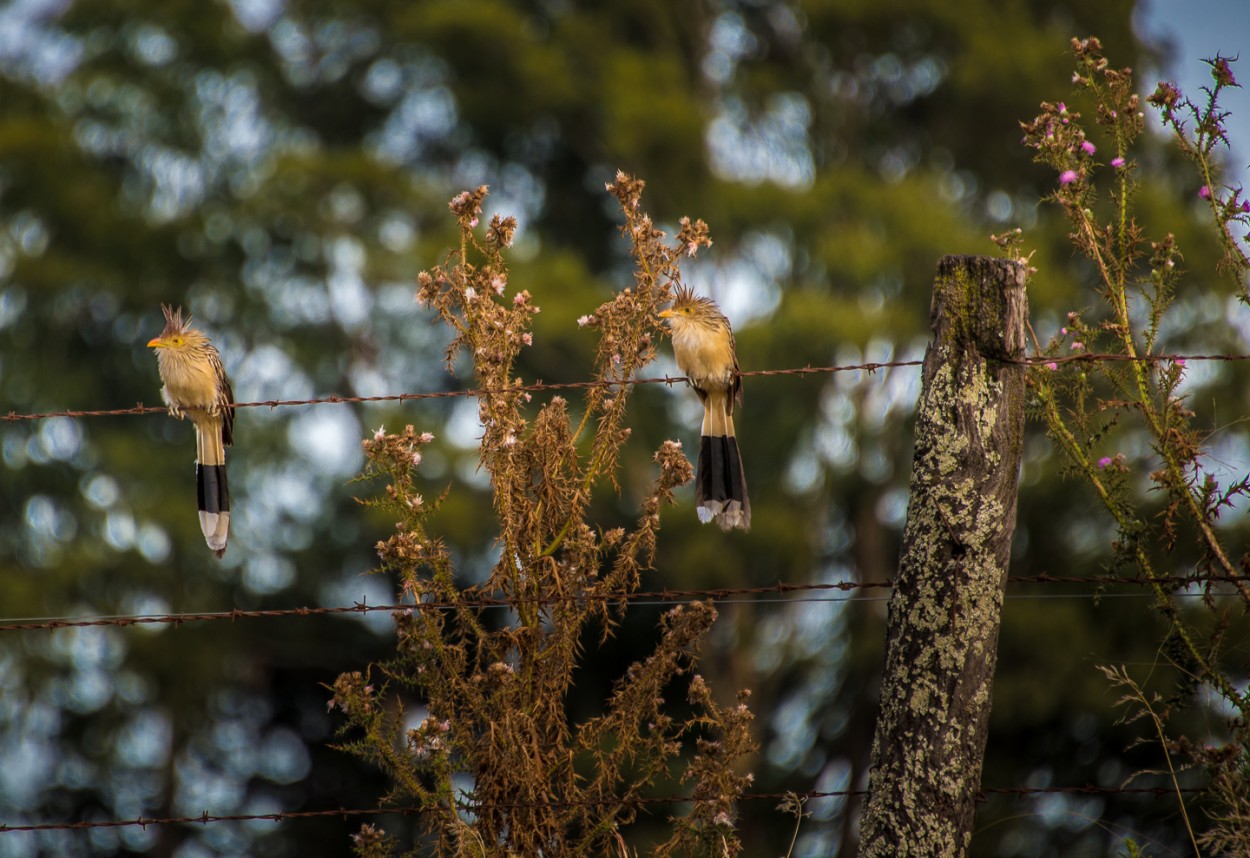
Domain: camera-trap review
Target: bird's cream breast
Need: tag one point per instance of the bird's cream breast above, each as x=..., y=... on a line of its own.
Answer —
x=704, y=356
x=189, y=383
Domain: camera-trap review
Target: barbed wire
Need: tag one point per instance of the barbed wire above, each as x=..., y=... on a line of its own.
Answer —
x=658, y=597
x=334, y=399
x=869, y=367
x=207, y=818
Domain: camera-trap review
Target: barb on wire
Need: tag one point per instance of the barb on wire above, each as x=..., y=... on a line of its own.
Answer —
x=869, y=367
x=661, y=596
x=206, y=818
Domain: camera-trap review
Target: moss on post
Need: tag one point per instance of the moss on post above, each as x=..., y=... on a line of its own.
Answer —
x=942, y=634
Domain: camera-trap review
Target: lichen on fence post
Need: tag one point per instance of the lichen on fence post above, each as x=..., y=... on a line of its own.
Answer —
x=944, y=616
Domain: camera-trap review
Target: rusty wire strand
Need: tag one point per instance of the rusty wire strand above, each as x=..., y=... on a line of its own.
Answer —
x=869, y=367
x=206, y=818
x=657, y=596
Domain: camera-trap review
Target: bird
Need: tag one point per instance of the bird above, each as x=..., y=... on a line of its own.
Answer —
x=195, y=385
x=703, y=345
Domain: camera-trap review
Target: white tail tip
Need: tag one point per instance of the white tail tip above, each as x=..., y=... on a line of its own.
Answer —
x=216, y=529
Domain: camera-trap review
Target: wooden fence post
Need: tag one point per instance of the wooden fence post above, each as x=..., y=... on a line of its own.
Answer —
x=942, y=633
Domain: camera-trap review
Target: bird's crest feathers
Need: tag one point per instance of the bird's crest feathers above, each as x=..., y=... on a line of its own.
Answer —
x=174, y=323
x=684, y=296
x=689, y=307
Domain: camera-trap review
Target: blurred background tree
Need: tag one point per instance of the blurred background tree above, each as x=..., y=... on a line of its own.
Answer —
x=281, y=169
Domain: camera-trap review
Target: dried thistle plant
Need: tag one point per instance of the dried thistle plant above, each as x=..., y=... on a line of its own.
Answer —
x=494, y=693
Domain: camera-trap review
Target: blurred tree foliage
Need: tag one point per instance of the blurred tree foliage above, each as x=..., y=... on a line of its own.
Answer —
x=282, y=169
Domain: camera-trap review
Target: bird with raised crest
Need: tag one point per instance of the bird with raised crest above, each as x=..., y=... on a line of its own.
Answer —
x=703, y=345
x=196, y=386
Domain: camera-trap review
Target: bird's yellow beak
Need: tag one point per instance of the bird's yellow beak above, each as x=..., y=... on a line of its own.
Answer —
x=156, y=343
x=664, y=314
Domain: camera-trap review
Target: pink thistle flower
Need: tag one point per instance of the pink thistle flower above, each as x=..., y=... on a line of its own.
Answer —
x=520, y=298
x=1117, y=162
x=470, y=293
x=1063, y=331
x=1245, y=205
x=1067, y=177
x=1179, y=361
x=583, y=321
x=497, y=283
x=426, y=437
x=1052, y=366
x=1104, y=461
x=1088, y=148
x=1077, y=346
x=379, y=433
x=527, y=338
x=1204, y=192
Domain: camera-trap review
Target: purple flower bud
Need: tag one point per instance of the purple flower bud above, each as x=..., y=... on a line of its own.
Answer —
x=1204, y=192
x=1088, y=148
x=1067, y=177
x=1104, y=461
x=1223, y=72
x=1117, y=162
